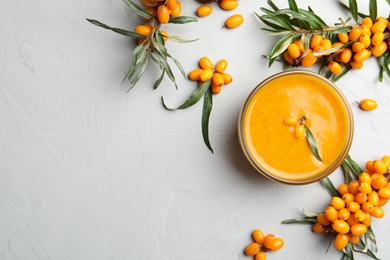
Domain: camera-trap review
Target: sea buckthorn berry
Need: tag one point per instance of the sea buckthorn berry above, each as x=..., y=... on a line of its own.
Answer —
x=364, y=31
x=347, y=197
x=386, y=160
x=206, y=74
x=195, y=74
x=234, y=21
x=309, y=59
x=377, y=38
x=358, y=47
x=358, y=229
x=228, y=5
x=344, y=214
x=370, y=166
x=293, y=50
x=368, y=220
x=353, y=206
x=357, y=65
x=278, y=244
x=379, y=182
x=322, y=219
x=300, y=46
x=384, y=193
x=340, y=226
x=354, y=34
x=365, y=40
x=361, y=198
x=343, y=37
x=378, y=27
x=354, y=239
x=171, y=4
x=315, y=40
x=318, y=49
x=252, y=249
x=163, y=14
x=290, y=120
x=261, y=256
x=177, y=11
x=367, y=21
x=338, y=44
x=218, y=79
x=340, y=241
x=221, y=66
x=365, y=188
x=367, y=207
x=164, y=34
x=379, y=49
x=353, y=187
x=343, y=189
x=326, y=43
x=377, y=212
x=373, y=197
x=299, y=131
x=345, y=55
x=287, y=57
x=360, y=215
x=227, y=78
x=258, y=236
x=362, y=56
x=331, y=213
x=206, y=63
x=337, y=203
x=335, y=67
x=382, y=19
x=382, y=202
x=215, y=89
x=379, y=166
x=269, y=241
x=204, y=10
x=351, y=220
x=365, y=177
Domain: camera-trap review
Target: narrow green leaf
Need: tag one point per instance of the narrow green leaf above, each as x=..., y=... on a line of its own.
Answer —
x=293, y=5
x=373, y=9
x=270, y=3
x=347, y=173
x=207, y=106
x=349, y=251
x=194, y=98
x=384, y=61
x=182, y=19
x=272, y=25
x=388, y=1
x=281, y=45
x=180, y=40
x=280, y=19
x=318, y=19
x=158, y=82
x=117, y=30
x=304, y=220
x=178, y=65
x=138, y=10
x=327, y=183
x=353, y=7
x=357, y=170
x=312, y=143
x=306, y=44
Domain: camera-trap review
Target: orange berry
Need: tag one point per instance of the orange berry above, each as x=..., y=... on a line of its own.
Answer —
x=326, y=43
x=206, y=63
x=382, y=202
x=293, y=50
x=353, y=187
x=228, y=5
x=300, y=46
x=362, y=56
x=370, y=166
x=299, y=131
x=347, y=197
x=360, y=215
x=234, y=21
x=379, y=182
x=361, y=198
x=195, y=74
x=221, y=66
x=364, y=31
x=322, y=219
x=269, y=241
x=384, y=193
x=227, y=78
x=258, y=236
x=337, y=203
x=215, y=89
x=353, y=239
x=379, y=49
x=340, y=241
x=171, y=4
x=318, y=228
x=358, y=229
x=365, y=177
x=309, y=59
x=343, y=189
x=357, y=65
x=261, y=256
x=315, y=40
x=252, y=249
x=354, y=34
x=337, y=44
x=287, y=57
x=177, y=11
x=373, y=198
x=378, y=26
x=358, y=47
x=386, y=160
x=343, y=37
x=340, y=226
x=278, y=244
x=368, y=220
x=290, y=120
x=353, y=206
x=217, y=79
x=163, y=14
x=367, y=21
x=377, y=38
x=377, y=212
x=367, y=207
x=204, y=10
x=365, y=188
x=344, y=214
x=379, y=166
x=206, y=74
x=335, y=67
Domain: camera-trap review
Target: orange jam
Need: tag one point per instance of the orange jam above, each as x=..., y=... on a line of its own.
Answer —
x=271, y=146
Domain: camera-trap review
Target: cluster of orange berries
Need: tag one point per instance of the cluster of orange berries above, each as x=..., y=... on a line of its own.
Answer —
x=228, y=5
x=163, y=10
x=350, y=215
x=207, y=72
x=263, y=243
x=297, y=124
x=368, y=39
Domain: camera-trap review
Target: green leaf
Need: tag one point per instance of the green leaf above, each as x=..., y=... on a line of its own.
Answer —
x=281, y=45
x=158, y=82
x=388, y=1
x=272, y=25
x=293, y=5
x=327, y=183
x=357, y=170
x=347, y=173
x=182, y=19
x=348, y=252
x=304, y=220
x=353, y=7
x=270, y=3
x=312, y=143
x=373, y=9
x=138, y=10
x=279, y=19
x=207, y=106
x=194, y=98
x=384, y=61
x=117, y=30
x=179, y=39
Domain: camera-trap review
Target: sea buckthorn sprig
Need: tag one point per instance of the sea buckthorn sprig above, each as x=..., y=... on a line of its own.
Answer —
x=210, y=80
x=348, y=216
x=308, y=40
x=151, y=39
x=263, y=244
